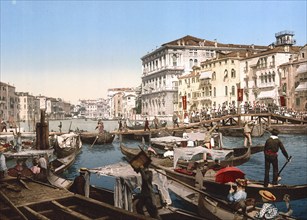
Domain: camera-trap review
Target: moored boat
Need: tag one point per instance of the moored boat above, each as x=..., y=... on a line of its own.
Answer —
x=96, y=138
x=66, y=144
x=58, y=165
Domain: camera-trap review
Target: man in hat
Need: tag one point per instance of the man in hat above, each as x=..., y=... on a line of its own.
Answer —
x=79, y=184
x=248, y=127
x=3, y=167
x=271, y=147
x=147, y=197
x=268, y=210
x=238, y=197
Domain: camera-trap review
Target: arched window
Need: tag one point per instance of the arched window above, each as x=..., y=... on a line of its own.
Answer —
x=191, y=63
x=195, y=62
x=226, y=90
x=284, y=88
x=214, y=91
x=213, y=76
x=233, y=73
x=261, y=77
x=273, y=60
x=225, y=74
x=270, y=77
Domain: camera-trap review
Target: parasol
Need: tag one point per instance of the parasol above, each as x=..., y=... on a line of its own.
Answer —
x=228, y=174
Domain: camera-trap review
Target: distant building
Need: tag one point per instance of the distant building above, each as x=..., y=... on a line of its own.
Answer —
x=121, y=102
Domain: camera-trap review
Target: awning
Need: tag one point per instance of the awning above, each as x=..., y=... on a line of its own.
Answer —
x=301, y=87
x=206, y=75
x=267, y=95
x=302, y=68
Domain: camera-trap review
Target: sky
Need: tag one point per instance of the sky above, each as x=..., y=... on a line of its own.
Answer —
x=79, y=49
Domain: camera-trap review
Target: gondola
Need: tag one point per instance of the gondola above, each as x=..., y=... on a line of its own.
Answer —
x=257, y=131
x=221, y=190
x=66, y=144
x=59, y=165
x=96, y=138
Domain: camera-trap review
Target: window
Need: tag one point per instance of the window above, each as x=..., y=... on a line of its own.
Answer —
x=284, y=88
x=266, y=78
x=214, y=91
x=195, y=62
x=226, y=90
x=261, y=78
x=270, y=77
x=273, y=76
x=298, y=102
x=174, y=60
x=233, y=90
x=233, y=73
x=191, y=63
x=213, y=76
x=225, y=74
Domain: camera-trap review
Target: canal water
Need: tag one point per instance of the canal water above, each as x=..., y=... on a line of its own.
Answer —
x=99, y=155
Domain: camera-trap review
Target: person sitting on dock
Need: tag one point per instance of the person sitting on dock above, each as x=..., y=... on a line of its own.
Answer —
x=248, y=127
x=146, y=125
x=238, y=197
x=268, y=210
x=42, y=163
x=3, y=167
x=35, y=168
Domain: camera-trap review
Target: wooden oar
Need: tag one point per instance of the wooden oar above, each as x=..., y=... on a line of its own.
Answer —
x=284, y=165
x=94, y=141
x=9, y=202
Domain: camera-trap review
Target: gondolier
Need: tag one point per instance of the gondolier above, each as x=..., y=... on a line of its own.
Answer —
x=271, y=147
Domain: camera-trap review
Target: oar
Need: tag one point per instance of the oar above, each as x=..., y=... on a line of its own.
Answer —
x=94, y=141
x=284, y=165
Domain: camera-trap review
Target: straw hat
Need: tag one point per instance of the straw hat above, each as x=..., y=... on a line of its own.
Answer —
x=83, y=170
x=241, y=182
x=2, y=149
x=267, y=195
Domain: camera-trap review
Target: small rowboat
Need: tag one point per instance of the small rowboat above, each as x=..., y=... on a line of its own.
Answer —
x=96, y=138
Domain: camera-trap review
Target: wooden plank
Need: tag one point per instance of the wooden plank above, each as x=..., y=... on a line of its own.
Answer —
x=36, y=214
x=6, y=199
x=69, y=211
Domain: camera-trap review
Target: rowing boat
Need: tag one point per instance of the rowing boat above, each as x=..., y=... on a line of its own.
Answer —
x=96, y=138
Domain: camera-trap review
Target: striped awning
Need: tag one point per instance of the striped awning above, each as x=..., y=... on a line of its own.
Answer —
x=301, y=87
x=267, y=94
x=302, y=68
x=206, y=75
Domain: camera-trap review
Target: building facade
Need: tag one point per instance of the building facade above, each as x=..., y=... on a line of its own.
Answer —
x=162, y=67
x=9, y=104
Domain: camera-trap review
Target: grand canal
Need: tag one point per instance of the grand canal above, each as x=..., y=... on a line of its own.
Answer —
x=100, y=155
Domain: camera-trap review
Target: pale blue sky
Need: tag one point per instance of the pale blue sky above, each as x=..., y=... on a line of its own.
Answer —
x=79, y=49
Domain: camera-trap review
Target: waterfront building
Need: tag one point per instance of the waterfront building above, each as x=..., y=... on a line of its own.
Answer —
x=294, y=81
x=8, y=104
x=220, y=80
x=162, y=67
x=188, y=93
x=262, y=77
x=92, y=108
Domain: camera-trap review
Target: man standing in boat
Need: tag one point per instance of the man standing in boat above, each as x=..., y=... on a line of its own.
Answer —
x=248, y=127
x=271, y=147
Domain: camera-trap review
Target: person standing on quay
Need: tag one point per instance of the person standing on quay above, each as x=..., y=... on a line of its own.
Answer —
x=175, y=120
x=271, y=147
x=146, y=127
x=156, y=122
x=248, y=127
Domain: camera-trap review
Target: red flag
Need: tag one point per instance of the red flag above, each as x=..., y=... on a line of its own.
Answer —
x=240, y=95
x=282, y=101
x=184, y=102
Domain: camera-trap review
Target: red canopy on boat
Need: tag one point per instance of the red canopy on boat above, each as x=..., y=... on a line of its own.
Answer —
x=228, y=174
